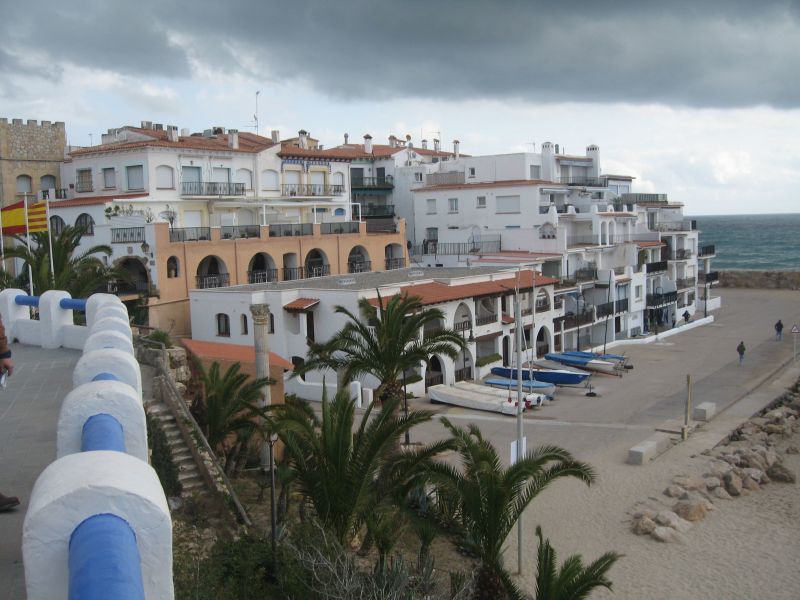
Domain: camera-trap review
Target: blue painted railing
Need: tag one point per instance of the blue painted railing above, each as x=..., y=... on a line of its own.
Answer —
x=102, y=432
x=66, y=303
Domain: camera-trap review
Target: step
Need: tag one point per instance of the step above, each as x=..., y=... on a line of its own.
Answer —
x=181, y=455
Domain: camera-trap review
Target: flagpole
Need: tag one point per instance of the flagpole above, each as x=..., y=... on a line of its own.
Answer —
x=2, y=241
x=28, y=239
x=50, y=241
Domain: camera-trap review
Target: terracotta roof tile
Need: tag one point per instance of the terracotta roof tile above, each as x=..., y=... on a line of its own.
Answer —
x=301, y=304
x=248, y=143
x=506, y=319
x=234, y=352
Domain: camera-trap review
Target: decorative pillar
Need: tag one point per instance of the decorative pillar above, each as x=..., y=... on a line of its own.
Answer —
x=260, y=314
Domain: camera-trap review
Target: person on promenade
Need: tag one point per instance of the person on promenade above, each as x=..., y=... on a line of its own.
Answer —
x=686, y=316
x=740, y=349
x=778, y=331
x=6, y=368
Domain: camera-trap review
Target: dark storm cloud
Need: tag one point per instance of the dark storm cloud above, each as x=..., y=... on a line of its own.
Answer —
x=714, y=53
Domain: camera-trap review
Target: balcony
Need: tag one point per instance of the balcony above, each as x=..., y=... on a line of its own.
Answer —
x=127, y=235
x=293, y=273
x=395, y=263
x=706, y=251
x=462, y=325
x=58, y=194
x=622, y=305
x=318, y=271
x=486, y=320
x=584, y=181
x=558, y=303
x=457, y=248
x=430, y=331
x=377, y=212
x=382, y=183
x=235, y=232
x=205, y=282
x=683, y=254
x=542, y=306
x=84, y=186
x=605, y=310
x=361, y=266
x=311, y=189
x=688, y=225
x=636, y=198
x=586, y=274
x=290, y=229
x=686, y=283
x=189, y=234
x=707, y=278
x=656, y=300
x=656, y=267
x=341, y=227
x=127, y=287
x=572, y=321
x=263, y=276
x=212, y=188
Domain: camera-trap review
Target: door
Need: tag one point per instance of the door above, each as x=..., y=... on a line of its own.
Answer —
x=192, y=218
x=310, y=326
x=357, y=176
x=380, y=175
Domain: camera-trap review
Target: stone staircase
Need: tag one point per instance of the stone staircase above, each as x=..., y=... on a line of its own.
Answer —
x=188, y=475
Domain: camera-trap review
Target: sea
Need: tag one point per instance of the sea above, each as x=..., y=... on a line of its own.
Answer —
x=754, y=242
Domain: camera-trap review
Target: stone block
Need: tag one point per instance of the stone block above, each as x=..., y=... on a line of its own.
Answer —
x=704, y=411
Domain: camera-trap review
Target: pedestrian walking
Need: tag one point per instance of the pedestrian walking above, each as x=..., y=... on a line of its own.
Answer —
x=740, y=349
x=6, y=368
x=778, y=330
x=686, y=316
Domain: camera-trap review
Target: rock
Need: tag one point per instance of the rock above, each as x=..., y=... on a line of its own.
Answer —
x=749, y=484
x=721, y=493
x=774, y=428
x=691, y=510
x=792, y=450
x=771, y=457
x=650, y=514
x=175, y=503
x=643, y=526
x=778, y=472
x=688, y=483
x=667, y=518
x=712, y=483
x=674, y=491
x=733, y=483
x=667, y=534
x=757, y=475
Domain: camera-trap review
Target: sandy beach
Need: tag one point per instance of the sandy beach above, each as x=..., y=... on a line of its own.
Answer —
x=747, y=547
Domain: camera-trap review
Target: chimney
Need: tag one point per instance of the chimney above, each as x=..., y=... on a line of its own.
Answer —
x=424, y=144
x=435, y=145
x=172, y=133
x=185, y=132
x=556, y=148
x=593, y=152
x=368, y=144
x=275, y=135
x=346, y=137
x=408, y=140
x=147, y=125
x=392, y=141
x=233, y=138
x=303, y=135
x=456, y=143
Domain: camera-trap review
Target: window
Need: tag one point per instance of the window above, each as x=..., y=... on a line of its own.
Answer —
x=24, y=184
x=165, y=178
x=339, y=212
x=135, y=176
x=431, y=206
x=109, y=178
x=245, y=176
x=481, y=202
x=418, y=177
x=536, y=172
x=507, y=205
x=223, y=325
x=56, y=225
x=83, y=179
x=47, y=182
x=472, y=171
x=638, y=292
x=452, y=205
x=172, y=267
x=432, y=234
x=244, y=324
x=269, y=180
x=85, y=222
x=220, y=175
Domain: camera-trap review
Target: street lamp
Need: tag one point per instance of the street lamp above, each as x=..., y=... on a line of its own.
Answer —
x=273, y=437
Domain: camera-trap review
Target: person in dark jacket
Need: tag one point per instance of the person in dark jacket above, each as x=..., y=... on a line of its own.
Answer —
x=740, y=349
x=6, y=368
x=778, y=330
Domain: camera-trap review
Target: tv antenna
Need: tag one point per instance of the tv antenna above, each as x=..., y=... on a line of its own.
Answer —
x=255, y=116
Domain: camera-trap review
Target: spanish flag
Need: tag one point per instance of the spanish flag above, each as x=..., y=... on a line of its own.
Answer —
x=13, y=218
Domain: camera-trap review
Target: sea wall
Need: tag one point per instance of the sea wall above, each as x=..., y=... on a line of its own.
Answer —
x=765, y=280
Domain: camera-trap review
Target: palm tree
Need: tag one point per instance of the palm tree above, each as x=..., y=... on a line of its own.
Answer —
x=230, y=409
x=573, y=581
x=489, y=499
x=336, y=467
x=79, y=274
x=383, y=342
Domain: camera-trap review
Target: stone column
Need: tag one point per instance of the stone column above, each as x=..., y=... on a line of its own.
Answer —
x=260, y=314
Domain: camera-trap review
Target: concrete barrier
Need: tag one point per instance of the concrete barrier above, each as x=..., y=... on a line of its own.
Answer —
x=704, y=411
x=109, y=340
x=647, y=450
x=118, y=363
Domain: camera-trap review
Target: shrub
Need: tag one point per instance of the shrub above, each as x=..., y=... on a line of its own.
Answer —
x=158, y=336
x=485, y=360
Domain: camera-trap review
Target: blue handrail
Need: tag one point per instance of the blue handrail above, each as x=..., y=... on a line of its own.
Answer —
x=102, y=432
x=27, y=300
x=65, y=303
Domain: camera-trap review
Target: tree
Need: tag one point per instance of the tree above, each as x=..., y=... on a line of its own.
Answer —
x=336, y=467
x=383, y=342
x=573, y=581
x=79, y=274
x=231, y=411
x=489, y=499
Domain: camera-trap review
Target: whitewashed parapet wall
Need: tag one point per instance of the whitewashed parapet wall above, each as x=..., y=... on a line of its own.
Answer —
x=98, y=523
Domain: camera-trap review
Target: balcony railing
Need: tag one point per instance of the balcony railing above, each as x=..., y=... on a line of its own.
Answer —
x=311, y=189
x=213, y=281
x=386, y=182
x=58, y=194
x=293, y=273
x=462, y=325
x=606, y=309
x=709, y=277
x=558, y=303
x=189, y=234
x=572, y=321
x=262, y=276
x=341, y=227
x=318, y=270
x=290, y=229
x=456, y=248
x=635, y=198
x=686, y=283
x=656, y=267
x=586, y=274
x=84, y=186
x=395, y=263
x=127, y=235
x=128, y=287
x=233, y=232
x=427, y=333
x=707, y=250
x=542, y=306
x=434, y=379
x=584, y=181
x=688, y=225
x=359, y=266
x=622, y=305
x=464, y=374
x=385, y=211
x=212, y=188
x=683, y=254
x=655, y=300
x=486, y=320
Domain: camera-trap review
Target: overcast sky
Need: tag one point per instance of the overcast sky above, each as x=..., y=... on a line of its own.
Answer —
x=696, y=99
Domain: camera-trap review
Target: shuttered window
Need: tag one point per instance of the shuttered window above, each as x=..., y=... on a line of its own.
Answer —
x=135, y=177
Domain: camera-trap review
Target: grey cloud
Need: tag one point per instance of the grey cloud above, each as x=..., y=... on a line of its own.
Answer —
x=714, y=53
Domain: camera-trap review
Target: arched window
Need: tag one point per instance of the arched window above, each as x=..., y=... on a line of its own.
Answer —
x=47, y=182
x=165, y=177
x=223, y=325
x=245, y=176
x=56, y=225
x=85, y=222
x=24, y=184
x=244, y=324
x=172, y=267
x=339, y=212
x=270, y=180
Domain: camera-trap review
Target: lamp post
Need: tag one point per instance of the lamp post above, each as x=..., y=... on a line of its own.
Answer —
x=273, y=437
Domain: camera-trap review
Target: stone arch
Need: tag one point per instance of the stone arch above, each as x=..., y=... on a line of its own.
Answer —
x=173, y=267
x=85, y=222
x=262, y=268
x=462, y=319
x=316, y=263
x=395, y=259
x=138, y=280
x=358, y=260
x=212, y=273
x=24, y=184
x=542, y=300
x=544, y=341
x=435, y=371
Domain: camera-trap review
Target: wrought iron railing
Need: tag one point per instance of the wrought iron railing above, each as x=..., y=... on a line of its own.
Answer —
x=656, y=267
x=212, y=188
x=654, y=300
x=707, y=250
x=359, y=266
x=683, y=254
x=456, y=248
x=685, y=283
x=486, y=320
x=605, y=309
x=127, y=235
x=395, y=263
x=464, y=374
x=213, y=281
x=290, y=229
x=709, y=277
x=293, y=273
x=622, y=305
x=372, y=211
x=339, y=227
x=189, y=234
x=572, y=321
x=318, y=270
x=311, y=189
x=232, y=232
x=462, y=325
x=434, y=379
x=386, y=181
x=262, y=276
x=542, y=306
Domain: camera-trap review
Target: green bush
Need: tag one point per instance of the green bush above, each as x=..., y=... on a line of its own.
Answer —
x=485, y=360
x=161, y=459
x=158, y=336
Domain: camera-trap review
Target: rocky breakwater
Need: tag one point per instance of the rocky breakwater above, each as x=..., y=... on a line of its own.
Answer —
x=762, y=280
x=751, y=457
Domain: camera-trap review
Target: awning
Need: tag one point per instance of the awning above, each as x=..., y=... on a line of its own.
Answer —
x=301, y=304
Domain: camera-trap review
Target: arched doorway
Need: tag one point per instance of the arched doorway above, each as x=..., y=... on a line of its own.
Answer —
x=543, y=342
x=291, y=267
x=506, y=350
x=394, y=257
x=434, y=374
x=358, y=260
x=137, y=280
x=262, y=269
x=212, y=273
x=317, y=264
